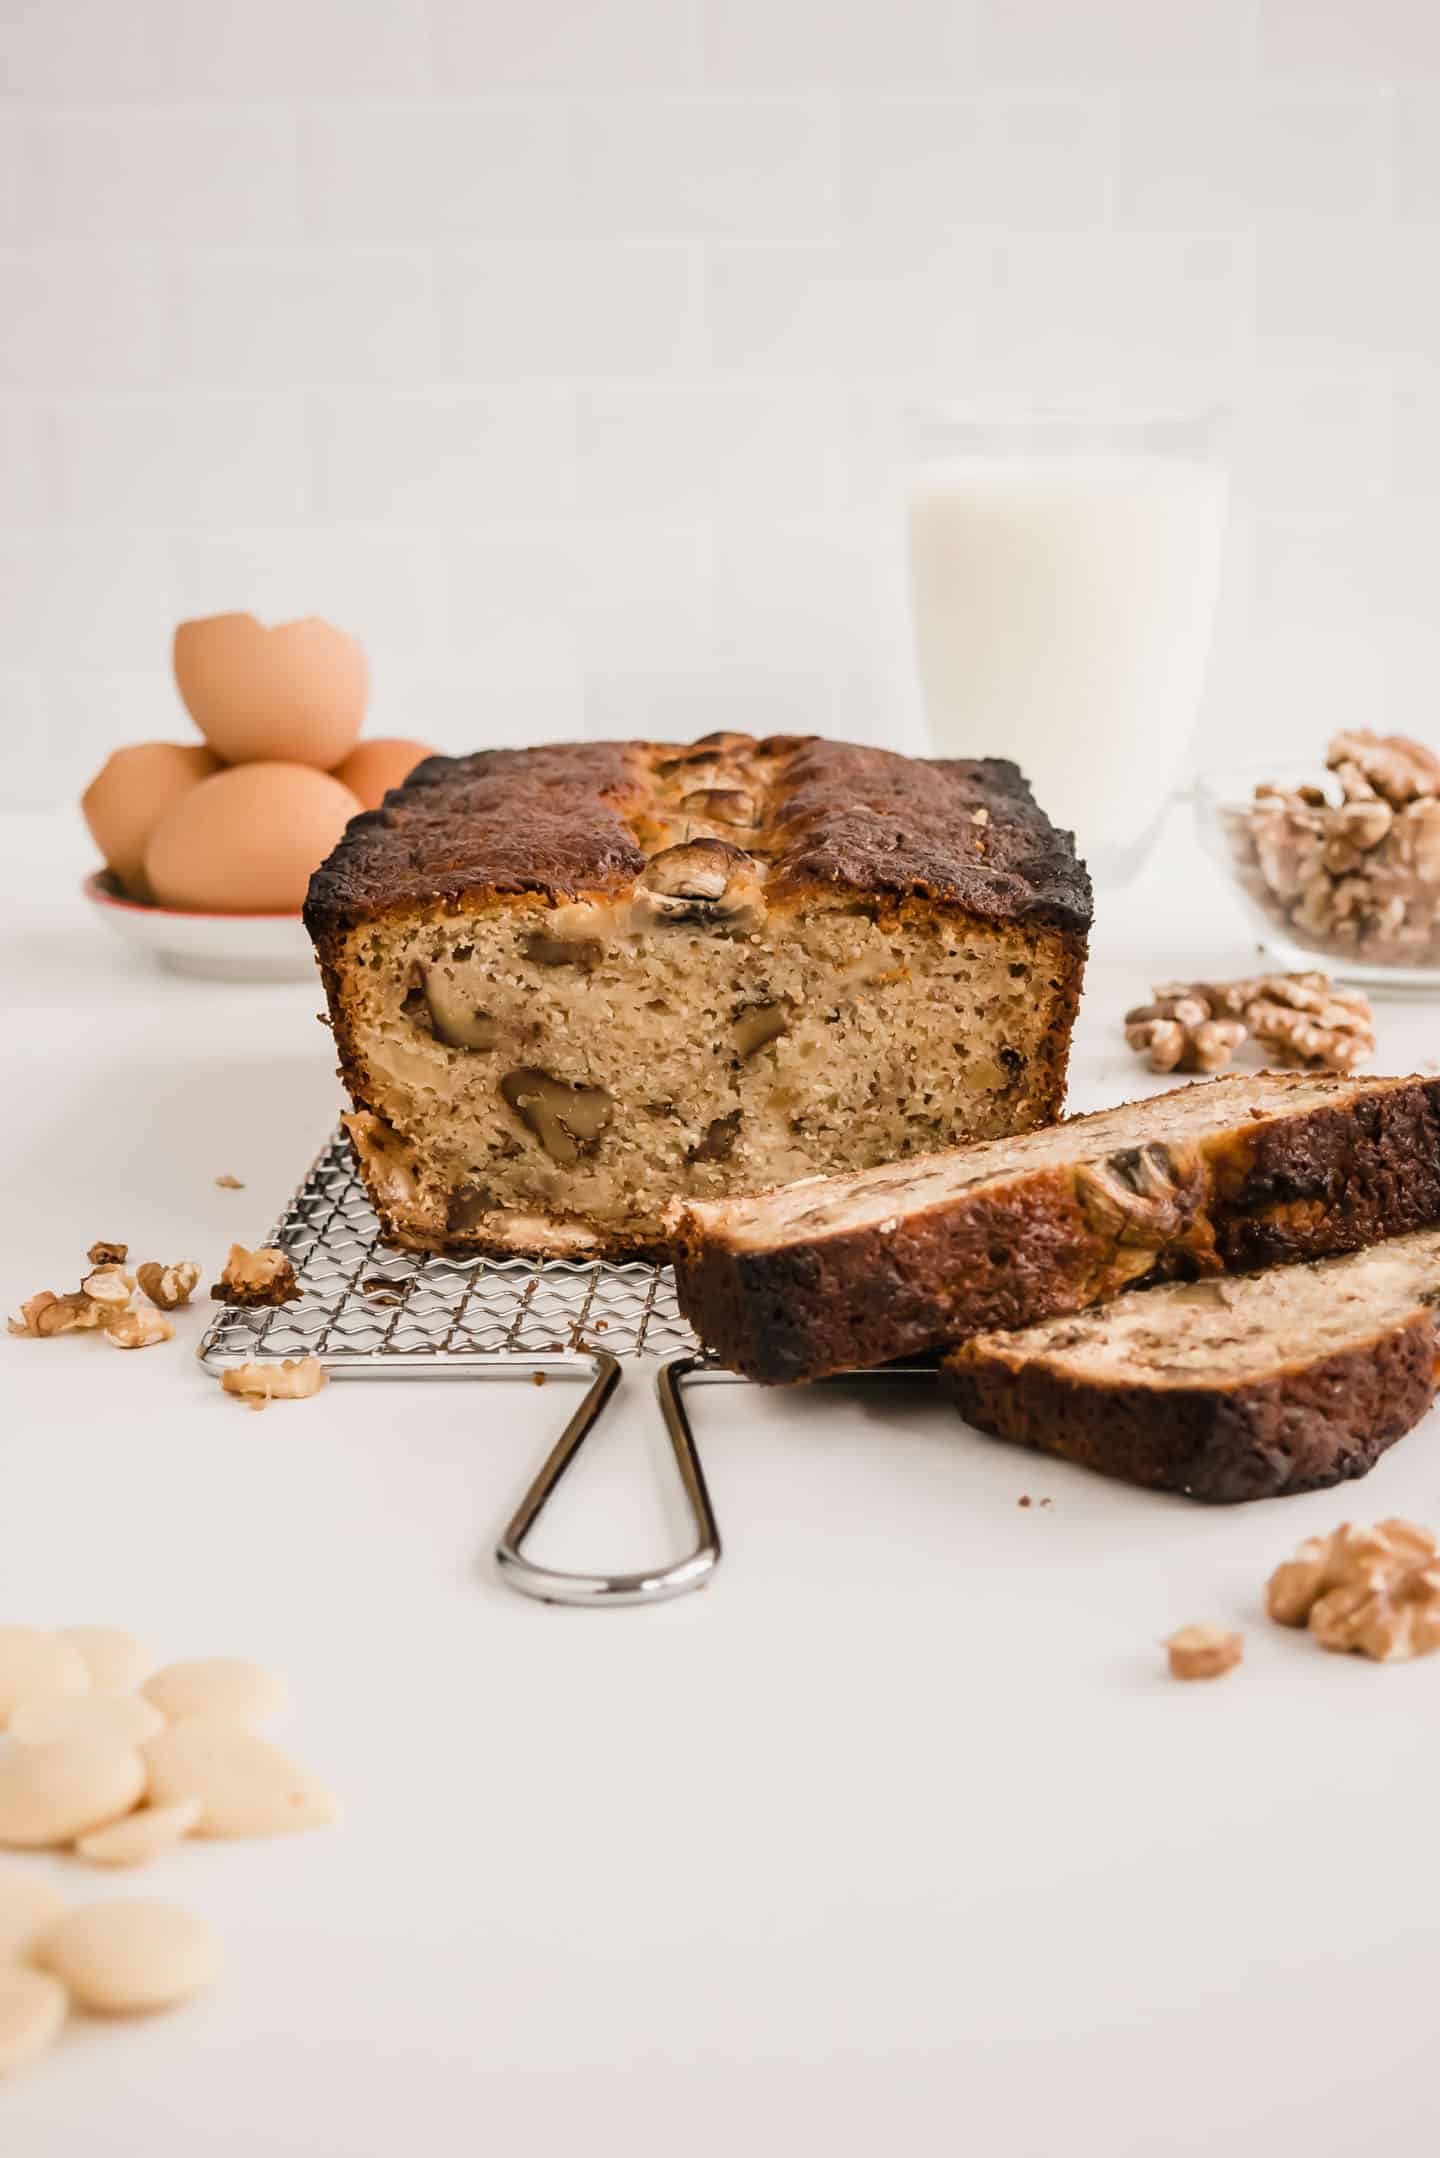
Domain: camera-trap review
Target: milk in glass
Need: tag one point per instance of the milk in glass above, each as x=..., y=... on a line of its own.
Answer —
x=1064, y=601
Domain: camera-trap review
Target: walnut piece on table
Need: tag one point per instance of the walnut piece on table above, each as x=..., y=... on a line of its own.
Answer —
x=131, y=1329
x=1299, y=1019
x=258, y=1277
x=294, y=1378
x=1180, y=1032
x=1363, y=1591
x=168, y=1286
x=102, y=1253
x=108, y=1285
x=1204, y=1651
x=45, y=1314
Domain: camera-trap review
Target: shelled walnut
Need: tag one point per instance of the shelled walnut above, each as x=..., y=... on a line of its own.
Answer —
x=1360, y=875
x=1296, y=1019
x=258, y=1277
x=1369, y=1592
x=168, y=1286
x=1203, y=1651
x=130, y=1329
x=295, y=1378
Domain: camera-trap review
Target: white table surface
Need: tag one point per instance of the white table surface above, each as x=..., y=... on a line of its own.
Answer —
x=897, y=1838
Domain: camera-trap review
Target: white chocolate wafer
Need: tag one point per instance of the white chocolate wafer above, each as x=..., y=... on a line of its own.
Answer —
x=246, y=1786
x=219, y=1689
x=118, y=1663
x=88, y=1715
x=123, y=1958
x=34, y=1664
x=51, y=1794
x=141, y=1836
x=33, y=2007
x=26, y=1904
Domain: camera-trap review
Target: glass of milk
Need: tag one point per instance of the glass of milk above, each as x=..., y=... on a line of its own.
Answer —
x=1064, y=573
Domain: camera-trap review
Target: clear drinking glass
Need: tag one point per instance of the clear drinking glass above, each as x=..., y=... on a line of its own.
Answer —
x=1064, y=568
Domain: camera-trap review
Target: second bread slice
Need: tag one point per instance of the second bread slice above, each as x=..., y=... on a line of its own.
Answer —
x=1219, y=1176
x=1223, y=1389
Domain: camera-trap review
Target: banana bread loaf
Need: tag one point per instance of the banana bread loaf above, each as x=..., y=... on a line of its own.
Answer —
x=1221, y=1175
x=1230, y=1389
x=569, y=984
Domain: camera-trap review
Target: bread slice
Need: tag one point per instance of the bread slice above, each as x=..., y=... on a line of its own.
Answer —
x=1228, y=1389
x=1219, y=1176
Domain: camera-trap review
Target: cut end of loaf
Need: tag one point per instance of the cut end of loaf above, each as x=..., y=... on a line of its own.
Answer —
x=551, y=1078
x=573, y=985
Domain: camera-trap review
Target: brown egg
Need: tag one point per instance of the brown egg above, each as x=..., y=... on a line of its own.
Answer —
x=129, y=795
x=295, y=693
x=246, y=841
x=373, y=766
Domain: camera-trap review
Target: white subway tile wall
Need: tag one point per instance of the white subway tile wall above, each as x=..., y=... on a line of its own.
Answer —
x=563, y=350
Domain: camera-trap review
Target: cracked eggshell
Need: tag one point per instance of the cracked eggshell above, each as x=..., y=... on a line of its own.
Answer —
x=295, y=693
x=246, y=841
x=383, y=762
x=129, y=795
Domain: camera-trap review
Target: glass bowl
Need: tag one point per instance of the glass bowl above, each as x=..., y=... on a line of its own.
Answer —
x=1322, y=883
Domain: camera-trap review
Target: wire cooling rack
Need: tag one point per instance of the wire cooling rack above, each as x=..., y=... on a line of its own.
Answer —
x=361, y=1300
x=367, y=1311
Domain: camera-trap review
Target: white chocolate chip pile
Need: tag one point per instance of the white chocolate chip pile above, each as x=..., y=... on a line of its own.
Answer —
x=219, y=1689
x=114, y=1959
x=246, y=1786
x=110, y=1758
x=103, y=1753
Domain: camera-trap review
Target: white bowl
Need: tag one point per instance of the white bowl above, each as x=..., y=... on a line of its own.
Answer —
x=221, y=947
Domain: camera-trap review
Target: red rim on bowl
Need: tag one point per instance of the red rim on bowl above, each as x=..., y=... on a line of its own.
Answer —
x=96, y=887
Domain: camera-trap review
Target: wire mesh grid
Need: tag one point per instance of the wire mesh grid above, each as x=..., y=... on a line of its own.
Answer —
x=364, y=1301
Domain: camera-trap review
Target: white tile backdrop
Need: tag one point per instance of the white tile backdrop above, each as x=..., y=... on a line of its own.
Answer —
x=559, y=347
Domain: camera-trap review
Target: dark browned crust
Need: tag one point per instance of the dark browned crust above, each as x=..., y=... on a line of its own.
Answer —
x=1305, y=1426
x=1304, y=1186
x=570, y=819
x=908, y=837
x=281, y=1291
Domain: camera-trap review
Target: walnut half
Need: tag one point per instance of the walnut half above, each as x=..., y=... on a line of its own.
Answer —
x=294, y=1378
x=1369, y=1592
x=45, y=1314
x=567, y=1120
x=1145, y=1196
x=168, y=1286
x=705, y=881
x=130, y=1329
x=258, y=1277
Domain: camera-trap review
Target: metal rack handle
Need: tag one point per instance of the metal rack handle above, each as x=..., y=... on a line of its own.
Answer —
x=552, y=1584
